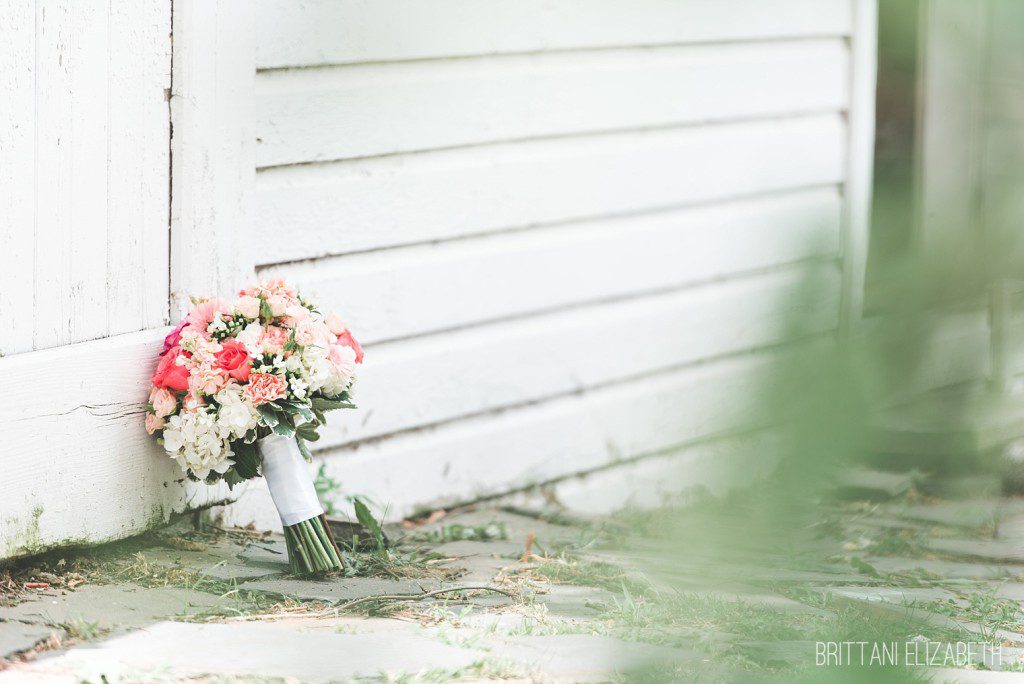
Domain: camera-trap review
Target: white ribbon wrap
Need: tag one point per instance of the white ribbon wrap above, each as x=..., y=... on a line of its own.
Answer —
x=288, y=478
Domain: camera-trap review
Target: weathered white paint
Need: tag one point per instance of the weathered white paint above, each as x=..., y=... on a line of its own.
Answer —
x=17, y=176
x=382, y=202
x=84, y=227
x=365, y=110
x=540, y=227
x=565, y=352
x=212, y=148
x=316, y=32
x=78, y=465
x=483, y=455
x=617, y=209
x=137, y=208
x=403, y=292
x=715, y=466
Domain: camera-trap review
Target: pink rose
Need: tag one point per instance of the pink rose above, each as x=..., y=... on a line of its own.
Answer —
x=264, y=387
x=172, y=340
x=248, y=306
x=345, y=339
x=163, y=402
x=335, y=324
x=234, y=359
x=153, y=423
x=169, y=375
x=278, y=304
x=305, y=332
x=344, y=359
x=280, y=286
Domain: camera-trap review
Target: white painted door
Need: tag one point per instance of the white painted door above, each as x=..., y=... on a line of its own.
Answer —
x=84, y=155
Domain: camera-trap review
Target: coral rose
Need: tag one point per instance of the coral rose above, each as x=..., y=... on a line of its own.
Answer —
x=234, y=359
x=168, y=374
x=264, y=387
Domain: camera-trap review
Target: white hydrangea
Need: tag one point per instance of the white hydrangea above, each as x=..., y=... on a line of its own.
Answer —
x=193, y=439
x=318, y=367
x=236, y=415
x=250, y=337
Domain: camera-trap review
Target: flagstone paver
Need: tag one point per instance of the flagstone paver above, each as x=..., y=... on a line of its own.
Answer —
x=19, y=636
x=179, y=650
x=551, y=632
x=114, y=606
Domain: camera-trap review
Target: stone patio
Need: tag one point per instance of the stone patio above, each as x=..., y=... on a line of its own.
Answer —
x=219, y=606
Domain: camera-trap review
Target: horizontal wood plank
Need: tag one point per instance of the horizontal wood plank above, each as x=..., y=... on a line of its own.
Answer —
x=443, y=377
x=316, y=32
x=414, y=290
x=78, y=465
x=494, y=454
x=675, y=478
x=359, y=111
x=323, y=209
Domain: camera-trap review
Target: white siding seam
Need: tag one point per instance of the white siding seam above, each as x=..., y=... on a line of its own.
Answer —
x=598, y=49
x=764, y=349
x=543, y=226
x=703, y=283
x=795, y=115
x=751, y=431
x=693, y=288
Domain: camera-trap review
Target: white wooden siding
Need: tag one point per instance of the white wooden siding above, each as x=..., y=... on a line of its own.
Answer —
x=565, y=352
x=568, y=233
x=409, y=291
x=84, y=170
x=363, y=110
x=318, y=32
x=382, y=202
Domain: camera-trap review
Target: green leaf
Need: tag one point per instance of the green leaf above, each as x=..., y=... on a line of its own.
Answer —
x=295, y=407
x=247, y=459
x=268, y=415
x=265, y=310
x=284, y=429
x=303, y=449
x=366, y=519
x=322, y=404
x=291, y=344
x=307, y=432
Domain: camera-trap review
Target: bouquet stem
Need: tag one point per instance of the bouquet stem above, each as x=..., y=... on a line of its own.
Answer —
x=311, y=548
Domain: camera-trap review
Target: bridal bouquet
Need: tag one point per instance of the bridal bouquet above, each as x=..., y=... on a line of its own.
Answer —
x=240, y=389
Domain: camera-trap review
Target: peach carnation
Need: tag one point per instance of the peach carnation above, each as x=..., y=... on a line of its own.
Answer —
x=264, y=387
